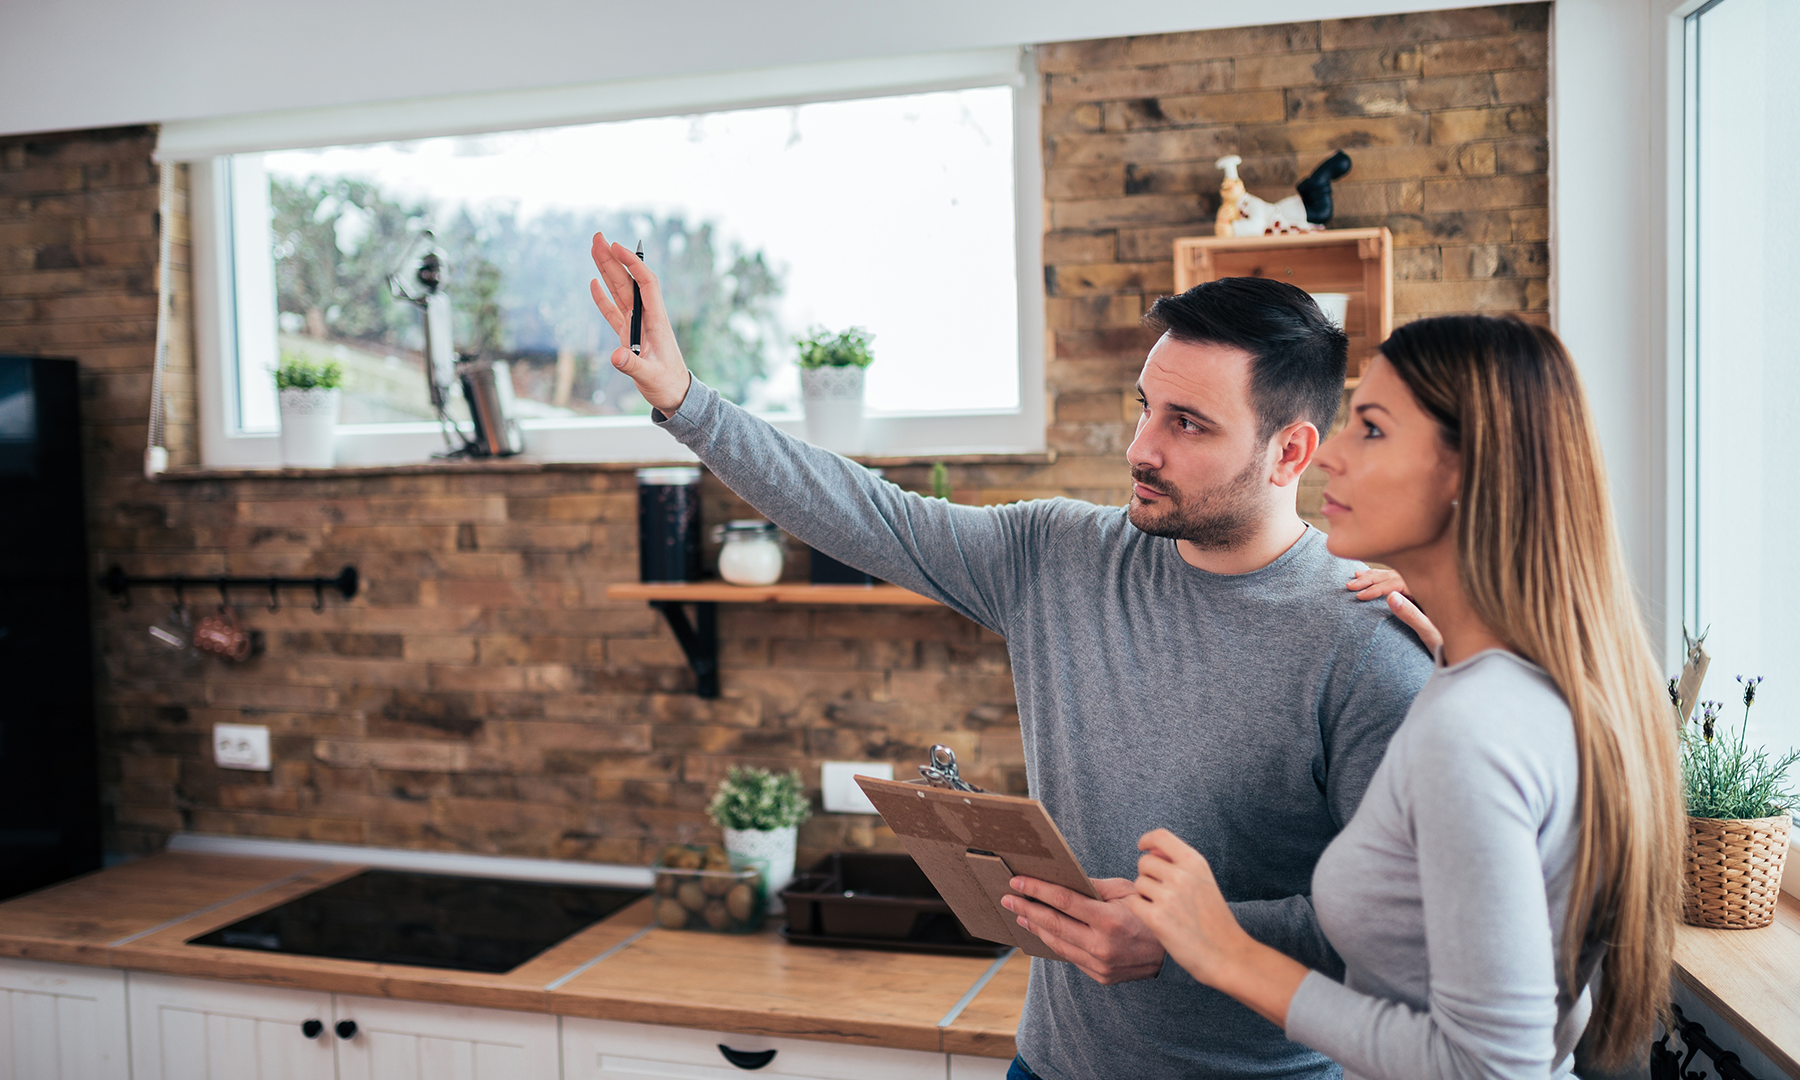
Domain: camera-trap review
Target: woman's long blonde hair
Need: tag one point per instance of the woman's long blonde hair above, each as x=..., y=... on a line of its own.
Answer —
x=1539, y=557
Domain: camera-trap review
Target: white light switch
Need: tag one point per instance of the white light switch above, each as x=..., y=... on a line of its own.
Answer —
x=837, y=782
x=241, y=746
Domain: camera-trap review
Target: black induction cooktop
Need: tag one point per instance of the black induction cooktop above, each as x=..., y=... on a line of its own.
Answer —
x=426, y=920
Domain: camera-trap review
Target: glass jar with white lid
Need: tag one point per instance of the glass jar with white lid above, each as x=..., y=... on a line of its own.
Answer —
x=751, y=552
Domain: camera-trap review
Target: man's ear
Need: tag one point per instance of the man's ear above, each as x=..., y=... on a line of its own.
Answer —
x=1292, y=449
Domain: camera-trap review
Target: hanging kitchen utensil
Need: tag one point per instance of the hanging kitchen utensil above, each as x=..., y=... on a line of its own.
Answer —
x=222, y=635
x=172, y=636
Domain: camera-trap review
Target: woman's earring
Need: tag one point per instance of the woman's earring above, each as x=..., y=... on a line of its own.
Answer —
x=1455, y=503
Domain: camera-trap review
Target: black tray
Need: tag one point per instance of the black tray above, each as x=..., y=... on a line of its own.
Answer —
x=876, y=900
x=941, y=948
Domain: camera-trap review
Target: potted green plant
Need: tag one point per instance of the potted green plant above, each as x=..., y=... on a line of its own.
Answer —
x=310, y=393
x=761, y=812
x=831, y=385
x=1738, y=803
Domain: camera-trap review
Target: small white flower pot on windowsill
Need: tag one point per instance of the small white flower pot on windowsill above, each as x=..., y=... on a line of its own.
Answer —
x=309, y=427
x=834, y=407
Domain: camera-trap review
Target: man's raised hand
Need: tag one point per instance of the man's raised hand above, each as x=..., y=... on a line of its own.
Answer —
x=659, y=372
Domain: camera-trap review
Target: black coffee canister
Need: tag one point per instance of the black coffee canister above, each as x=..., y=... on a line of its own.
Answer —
x=669, y=524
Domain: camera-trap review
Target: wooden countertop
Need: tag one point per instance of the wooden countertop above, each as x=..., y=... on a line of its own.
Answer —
x=140, y=915
x=1748, y=978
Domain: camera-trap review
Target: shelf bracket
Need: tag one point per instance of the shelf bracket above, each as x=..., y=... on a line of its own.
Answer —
x=699, y=640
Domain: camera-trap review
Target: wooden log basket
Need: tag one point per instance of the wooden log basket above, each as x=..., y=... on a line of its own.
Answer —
x=1733, y=873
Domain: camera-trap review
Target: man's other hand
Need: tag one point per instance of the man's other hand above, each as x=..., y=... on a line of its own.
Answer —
x=659, y=372
x=1101, y=937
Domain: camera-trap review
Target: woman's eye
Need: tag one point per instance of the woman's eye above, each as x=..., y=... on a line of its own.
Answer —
x=1370, y=431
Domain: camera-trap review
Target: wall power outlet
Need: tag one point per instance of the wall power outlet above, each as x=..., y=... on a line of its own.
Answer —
x=241, y=746
x=837, y=782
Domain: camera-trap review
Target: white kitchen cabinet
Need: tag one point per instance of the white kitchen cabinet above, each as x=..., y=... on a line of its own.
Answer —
x=184, y=1029
x=407, y=1040
x=61, y=1022
x=969, y=1067
x=189, y=1028
x=608, y=1050
x=69, y=1022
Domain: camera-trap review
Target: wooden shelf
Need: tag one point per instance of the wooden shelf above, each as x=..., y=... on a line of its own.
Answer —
x=723, y=592
x=1356, y=262
x=699, y=636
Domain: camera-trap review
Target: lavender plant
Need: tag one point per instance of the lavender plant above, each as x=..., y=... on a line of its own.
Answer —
x=750, y=798
x=1725, y=778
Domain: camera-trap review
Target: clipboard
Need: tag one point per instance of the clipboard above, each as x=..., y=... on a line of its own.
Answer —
x=970, y=843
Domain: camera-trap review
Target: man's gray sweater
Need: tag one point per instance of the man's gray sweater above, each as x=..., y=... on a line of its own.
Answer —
x=1245, y=713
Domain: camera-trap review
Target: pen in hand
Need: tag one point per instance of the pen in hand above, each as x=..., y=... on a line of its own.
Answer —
x=637, y=309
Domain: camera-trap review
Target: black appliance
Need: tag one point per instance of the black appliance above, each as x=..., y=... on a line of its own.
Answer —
x=49, y=752
x=828, y=571
x=426, y=920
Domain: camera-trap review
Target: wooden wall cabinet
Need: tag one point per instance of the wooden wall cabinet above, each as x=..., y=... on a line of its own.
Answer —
x=1356, y=262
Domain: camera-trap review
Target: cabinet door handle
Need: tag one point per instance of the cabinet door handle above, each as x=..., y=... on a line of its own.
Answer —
x=747, y=1059
x=346, y=1029
x=311, y=1029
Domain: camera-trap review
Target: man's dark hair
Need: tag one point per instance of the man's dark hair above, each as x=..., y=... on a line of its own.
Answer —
x=1297, y=356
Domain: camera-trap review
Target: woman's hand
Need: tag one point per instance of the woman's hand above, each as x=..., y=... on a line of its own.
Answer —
x=659, y=372
x=1179, y=900
x=1375, y=582
x=1371, y=583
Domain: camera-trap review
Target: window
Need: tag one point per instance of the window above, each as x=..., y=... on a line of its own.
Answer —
x=904, y=209
x=1742, y=362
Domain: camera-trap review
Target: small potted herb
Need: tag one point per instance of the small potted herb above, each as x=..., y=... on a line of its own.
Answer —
x=1738, y=803
x=310, y=392
x=761, y=812
x=831, y=385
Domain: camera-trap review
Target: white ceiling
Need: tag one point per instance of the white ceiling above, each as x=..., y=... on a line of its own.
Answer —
x=68, y=64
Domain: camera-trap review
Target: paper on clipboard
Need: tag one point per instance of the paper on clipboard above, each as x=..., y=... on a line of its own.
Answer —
x=970, y=844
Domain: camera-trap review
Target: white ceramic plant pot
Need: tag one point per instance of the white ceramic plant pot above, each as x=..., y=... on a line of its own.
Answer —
x=309, y=427
x=775, y=848
x=834, y=407
x=1335, y=305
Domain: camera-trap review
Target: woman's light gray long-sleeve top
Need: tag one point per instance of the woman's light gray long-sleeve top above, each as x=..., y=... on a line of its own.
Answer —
x=1446, y=893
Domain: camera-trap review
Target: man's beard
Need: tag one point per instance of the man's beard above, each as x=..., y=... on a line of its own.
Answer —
x=1218, y=519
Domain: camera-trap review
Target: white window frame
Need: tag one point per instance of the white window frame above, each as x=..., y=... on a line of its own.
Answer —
x=220, y=281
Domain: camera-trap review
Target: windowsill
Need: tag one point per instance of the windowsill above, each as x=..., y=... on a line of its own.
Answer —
x=527, y=464
x=1746, y=976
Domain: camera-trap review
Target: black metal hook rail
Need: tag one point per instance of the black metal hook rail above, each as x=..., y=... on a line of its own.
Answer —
x=1667, y=1064
x=119, y=584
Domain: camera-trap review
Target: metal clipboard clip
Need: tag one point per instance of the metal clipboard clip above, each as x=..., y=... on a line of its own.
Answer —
x=940, y=770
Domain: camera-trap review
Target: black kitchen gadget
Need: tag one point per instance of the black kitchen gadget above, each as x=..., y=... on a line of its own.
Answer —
x=828, y=571
x=426, y=920
x=669, y=524
x=879, y=900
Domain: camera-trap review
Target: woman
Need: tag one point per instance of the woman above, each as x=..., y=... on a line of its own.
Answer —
x=1523, y=829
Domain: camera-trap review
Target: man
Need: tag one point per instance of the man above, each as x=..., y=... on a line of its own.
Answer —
x=1192, y=661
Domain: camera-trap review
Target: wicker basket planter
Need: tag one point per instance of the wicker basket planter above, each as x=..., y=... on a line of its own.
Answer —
x=1733, y=871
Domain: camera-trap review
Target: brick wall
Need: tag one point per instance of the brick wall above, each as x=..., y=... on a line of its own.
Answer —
x=483, y=695
x=1444, y=114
